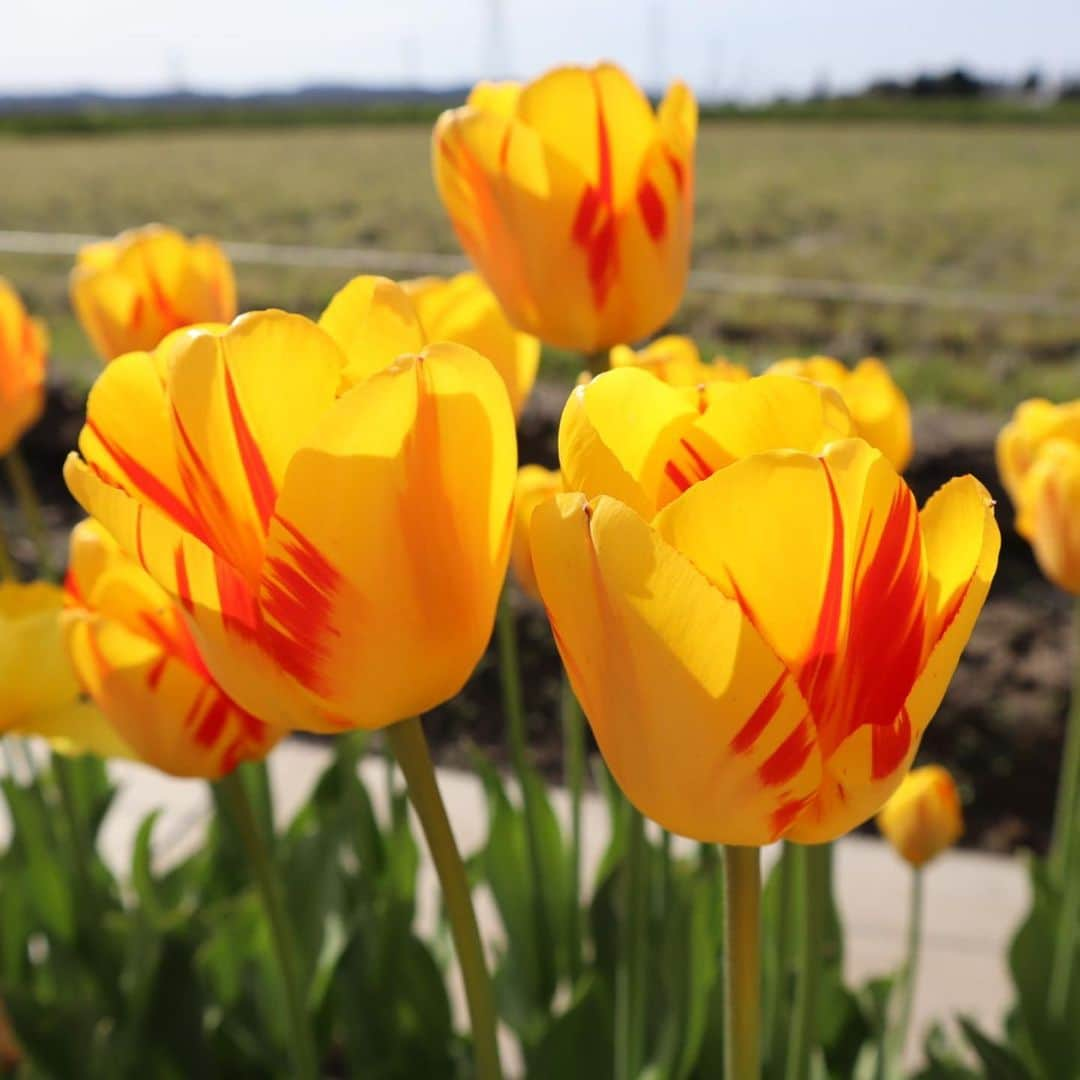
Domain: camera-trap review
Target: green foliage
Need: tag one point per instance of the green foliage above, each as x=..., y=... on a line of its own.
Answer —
x=173, y=975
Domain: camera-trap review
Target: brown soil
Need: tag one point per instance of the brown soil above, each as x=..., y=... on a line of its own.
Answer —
x=1000, y=729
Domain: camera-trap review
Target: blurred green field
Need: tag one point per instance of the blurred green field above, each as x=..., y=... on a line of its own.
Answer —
x=947, y=208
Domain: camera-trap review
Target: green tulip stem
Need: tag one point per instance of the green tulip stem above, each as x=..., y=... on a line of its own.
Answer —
x=411, y=750
x=812, y=885
x=631, y=972
x=898, y=1031
x=776, y=992
x=1065, y=856
x=1066, y=824
x=514, y=708
x=301, y=1043
x=23, y=485
x=573, y=727
x=742, y=963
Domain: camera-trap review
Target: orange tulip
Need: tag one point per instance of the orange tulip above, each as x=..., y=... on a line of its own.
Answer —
x=675, y=360
x=39, y=694
x=574, y=199
x=1039, y=460
x=134, y=655
x=129, y=293
x=881, y=413
x=756, y=619
x=336, y=539
x=923, y=816
x=23, y=343
x=535, y=485
x=464, y=310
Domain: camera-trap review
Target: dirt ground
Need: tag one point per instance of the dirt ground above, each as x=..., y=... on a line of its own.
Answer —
x=999, y=730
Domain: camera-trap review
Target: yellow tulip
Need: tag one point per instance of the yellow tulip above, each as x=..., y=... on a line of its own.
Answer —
x=878, y=406
x=336, y=539
x=675, y=359
x=756, y=619
x=23, y=343
x=923, y=816
x=574, y=200
x=464, y=310
x=129, y=293
x=134, y=655
x=535, y=485
x=39, y=694
x=1038, y=457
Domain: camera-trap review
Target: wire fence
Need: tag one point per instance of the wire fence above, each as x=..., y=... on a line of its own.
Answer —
x=718, y=282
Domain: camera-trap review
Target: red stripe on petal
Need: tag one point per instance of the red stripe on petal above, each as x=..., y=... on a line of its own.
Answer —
x=239, y=609
x=676, y=476
x=298, y=594
x=815, y=676
x=759, y=719
x=212, y=724
x=786, y=761
x=891, y=743
x=146, y=483
x=784, y=816
x=263, y=492
x=183, y=584
x=652, y=210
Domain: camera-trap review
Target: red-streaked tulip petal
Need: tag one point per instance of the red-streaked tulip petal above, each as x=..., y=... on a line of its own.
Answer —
x=673, y=677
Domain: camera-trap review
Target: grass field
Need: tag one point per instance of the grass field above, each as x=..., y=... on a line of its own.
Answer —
x=949, y=208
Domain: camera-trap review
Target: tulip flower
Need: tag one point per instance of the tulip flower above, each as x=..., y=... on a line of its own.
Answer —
x=675, y=359
x=535, y=485
x=134, y=656
x=40, y=694
x=23, y=343
x=1039, y=460
x=574, y=200
x=758, y=622
x=922, y=817
x=464, y=310
x=336, y=539
x=129, y=293
x=881, y=413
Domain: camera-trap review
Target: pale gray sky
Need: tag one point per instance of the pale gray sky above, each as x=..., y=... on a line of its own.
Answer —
x=742, y=48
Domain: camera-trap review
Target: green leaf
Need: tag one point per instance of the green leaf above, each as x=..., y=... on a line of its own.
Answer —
x=999, y=1062
x=578, y=1044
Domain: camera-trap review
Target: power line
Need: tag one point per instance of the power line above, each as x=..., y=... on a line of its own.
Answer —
x=717, y=282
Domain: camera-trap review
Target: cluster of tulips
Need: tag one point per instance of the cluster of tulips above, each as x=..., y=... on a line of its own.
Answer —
x=301, y=525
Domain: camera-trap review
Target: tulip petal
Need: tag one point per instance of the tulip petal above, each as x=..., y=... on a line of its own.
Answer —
x=698, y=719
x=825, y=556
x=962, y=546
x=772, y=412
x=464, y=310
x=596, y=118
x=421, y=463
x=500, y=98
x=374, y=321
x=618, y=431
x=168, y=713
x=241, y=405
x=217, y=603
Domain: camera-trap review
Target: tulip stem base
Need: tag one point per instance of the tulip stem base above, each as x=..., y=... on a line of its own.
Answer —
x=742, y=963
x=630, y=973
x=573, y=726
x=897, y=1033
x=236, y=798
x=411, y=750
x=1065, y=856
x=812, y=889
x=514, y=708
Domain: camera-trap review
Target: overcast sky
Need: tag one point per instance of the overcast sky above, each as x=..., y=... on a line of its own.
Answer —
x=741, y=48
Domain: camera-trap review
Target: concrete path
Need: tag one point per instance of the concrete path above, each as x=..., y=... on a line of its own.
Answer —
x=973, y=902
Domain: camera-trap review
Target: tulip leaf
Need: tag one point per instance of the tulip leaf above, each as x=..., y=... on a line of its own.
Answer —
x=579, y=1042
x=998, y=1061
